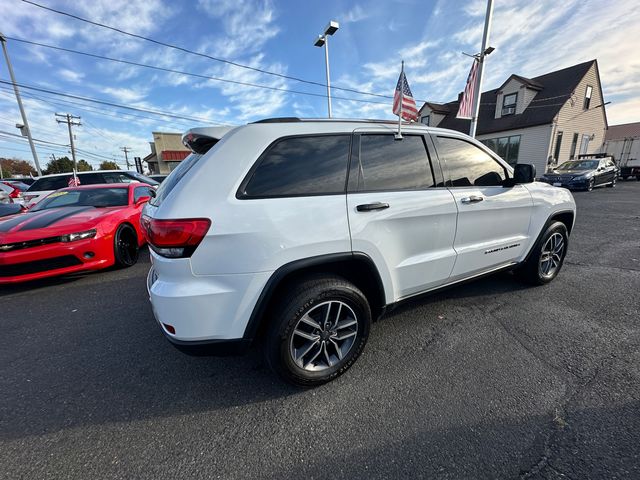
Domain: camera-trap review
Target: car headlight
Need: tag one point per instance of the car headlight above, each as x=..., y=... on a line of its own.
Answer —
x=73, y=237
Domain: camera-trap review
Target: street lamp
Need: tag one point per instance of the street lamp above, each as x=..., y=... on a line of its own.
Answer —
x=323, y=40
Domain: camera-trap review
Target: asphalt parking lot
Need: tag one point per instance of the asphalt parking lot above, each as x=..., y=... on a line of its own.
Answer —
x=492, y=379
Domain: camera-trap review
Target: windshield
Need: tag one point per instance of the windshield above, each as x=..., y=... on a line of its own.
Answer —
x=174, y=177
x=579, y=165
x=94, y=197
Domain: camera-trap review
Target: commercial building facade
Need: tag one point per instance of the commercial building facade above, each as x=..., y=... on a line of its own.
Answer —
x=167, y=151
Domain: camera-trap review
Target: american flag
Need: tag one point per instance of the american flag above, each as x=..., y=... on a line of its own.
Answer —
x=466, y=105
x=403, y=94
x=74, y=181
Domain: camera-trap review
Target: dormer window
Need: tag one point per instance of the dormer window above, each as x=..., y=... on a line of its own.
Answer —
x=509, y=104
x=587, y=97
x=425, y=119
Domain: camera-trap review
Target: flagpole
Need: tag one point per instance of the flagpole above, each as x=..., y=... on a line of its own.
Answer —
x=399, y=134
x=485, y=41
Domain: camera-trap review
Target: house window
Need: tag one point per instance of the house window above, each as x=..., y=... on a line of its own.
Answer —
x=584, y=144
x=506, y=147
x=509, y=104
x=425, y=120
x=587, y=97
x=574, y=145
x=556, y=152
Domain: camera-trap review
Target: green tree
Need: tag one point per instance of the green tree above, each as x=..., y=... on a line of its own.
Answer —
x=84, y=166
x=109, y=165
x=13, y=166
x=59, y=165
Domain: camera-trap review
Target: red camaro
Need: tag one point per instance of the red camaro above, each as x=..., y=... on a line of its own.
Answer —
x=74, y=229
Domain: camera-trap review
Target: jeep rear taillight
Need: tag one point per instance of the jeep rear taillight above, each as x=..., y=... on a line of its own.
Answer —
x=174, y=238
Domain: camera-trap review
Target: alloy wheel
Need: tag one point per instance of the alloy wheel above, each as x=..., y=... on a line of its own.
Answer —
x=323, y=336
x=551, y=255
x=127, y=247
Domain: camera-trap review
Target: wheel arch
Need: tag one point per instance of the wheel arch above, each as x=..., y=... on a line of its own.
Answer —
x=566, y=217
x=355, y=267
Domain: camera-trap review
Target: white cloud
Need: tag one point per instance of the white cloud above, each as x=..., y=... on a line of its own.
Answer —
x=125, y=95
x=71, y=75
x=355, y=14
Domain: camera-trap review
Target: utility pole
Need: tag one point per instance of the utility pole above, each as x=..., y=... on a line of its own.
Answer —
x=3, y=40
x=483, y=53
x=126, y=158
x=70, y=120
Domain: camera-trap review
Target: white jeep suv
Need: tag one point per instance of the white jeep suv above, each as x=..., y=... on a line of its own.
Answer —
x=299, y=233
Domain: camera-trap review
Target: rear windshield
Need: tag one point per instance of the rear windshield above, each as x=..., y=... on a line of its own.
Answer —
x=95, y=197
x=174, y=177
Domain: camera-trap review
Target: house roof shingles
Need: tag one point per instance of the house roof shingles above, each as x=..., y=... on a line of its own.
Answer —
x=554, y=90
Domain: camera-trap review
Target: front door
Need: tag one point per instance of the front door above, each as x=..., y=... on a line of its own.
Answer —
x=400, y=213
x=493, y=221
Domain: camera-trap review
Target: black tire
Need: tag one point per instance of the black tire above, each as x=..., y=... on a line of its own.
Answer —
x=125, y=246
x=342, y=300
x=532, y=271
x=613, y=183
x=590, y=184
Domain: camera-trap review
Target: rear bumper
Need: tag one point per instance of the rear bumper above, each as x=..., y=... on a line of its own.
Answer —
x=202, y=314
x=54, y=260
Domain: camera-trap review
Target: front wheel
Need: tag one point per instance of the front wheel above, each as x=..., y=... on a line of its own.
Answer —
x=547, y=257
x=126, y=247
x=318, y=331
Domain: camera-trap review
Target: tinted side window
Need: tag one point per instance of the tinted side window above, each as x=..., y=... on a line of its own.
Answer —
x=389, y=164
x=51, y=183
x=468, y=165
x=140, y=192
x=114, y=177
x=90, y=179
x=302, y=166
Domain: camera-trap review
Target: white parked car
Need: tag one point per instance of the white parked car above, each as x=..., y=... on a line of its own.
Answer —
x=299, y=233
x=46, y=184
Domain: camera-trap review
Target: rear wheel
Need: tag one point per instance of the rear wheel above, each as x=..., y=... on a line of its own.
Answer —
x=126, y=247
x=547, y=257
x=590, y=184
x=319, y=329
x=613, y=183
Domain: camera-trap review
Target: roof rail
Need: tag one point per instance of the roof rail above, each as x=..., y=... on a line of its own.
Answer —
x=343, y=120
x=279, y=120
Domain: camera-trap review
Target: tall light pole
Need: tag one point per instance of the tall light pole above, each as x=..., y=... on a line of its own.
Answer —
x=3, y=40
x=483, y=53
x=323, y=40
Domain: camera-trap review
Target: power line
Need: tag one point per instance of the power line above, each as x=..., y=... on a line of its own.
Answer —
x=191, y=74
x=112, y=104
x=92, y=109
x=204, y=55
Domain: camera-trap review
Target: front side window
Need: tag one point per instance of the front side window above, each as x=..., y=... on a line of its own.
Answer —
x=508, y=148
x=587, y=97
x=298, y=166
x=90, y=178
x=509, y=104
x=389, y=164
x=468, y=165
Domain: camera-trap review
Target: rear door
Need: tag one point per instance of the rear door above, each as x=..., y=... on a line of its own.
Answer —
x=400, y=213
x=493, y=220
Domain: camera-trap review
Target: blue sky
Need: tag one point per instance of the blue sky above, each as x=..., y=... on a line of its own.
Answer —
x=531, y=38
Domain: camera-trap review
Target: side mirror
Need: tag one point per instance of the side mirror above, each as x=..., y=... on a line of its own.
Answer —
x=142, y=200
x=522, y=173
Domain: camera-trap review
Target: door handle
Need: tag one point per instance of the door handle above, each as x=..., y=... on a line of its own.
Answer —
x=369, y=207
x=472, y=199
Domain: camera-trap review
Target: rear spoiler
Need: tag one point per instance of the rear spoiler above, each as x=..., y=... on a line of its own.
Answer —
x=200, y=140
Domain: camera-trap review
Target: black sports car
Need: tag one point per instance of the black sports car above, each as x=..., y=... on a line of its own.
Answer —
x=583, y=174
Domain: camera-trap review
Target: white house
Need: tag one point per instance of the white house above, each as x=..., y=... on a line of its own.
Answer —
x=543, y=120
